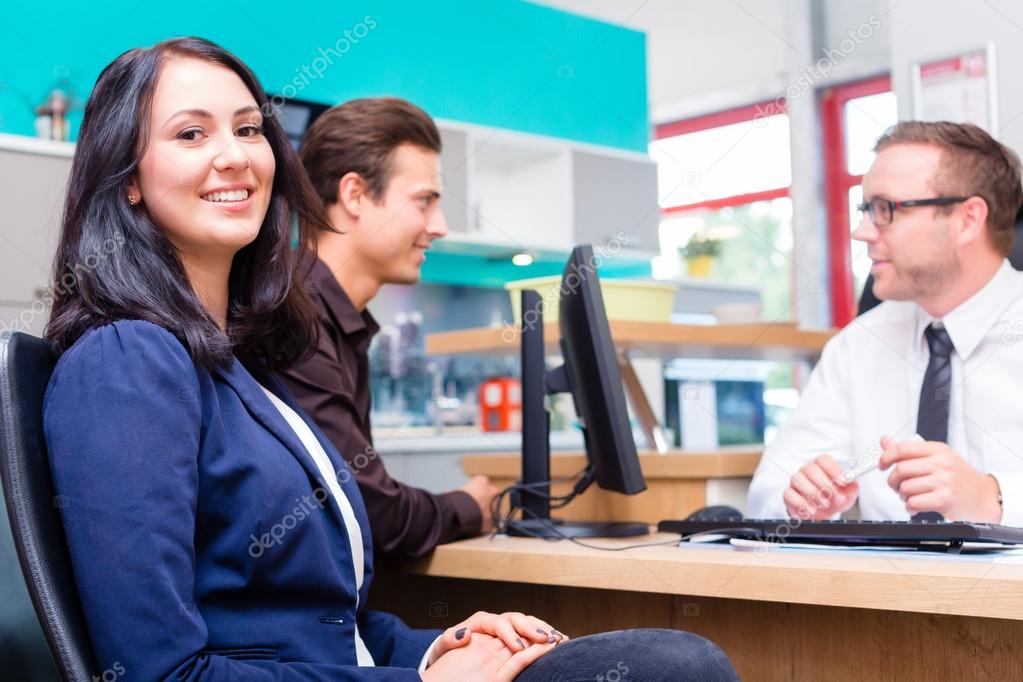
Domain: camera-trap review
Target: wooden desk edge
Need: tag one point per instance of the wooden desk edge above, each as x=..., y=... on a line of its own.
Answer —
x=841, y=579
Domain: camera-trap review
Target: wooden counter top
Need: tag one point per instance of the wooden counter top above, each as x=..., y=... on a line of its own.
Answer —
x=893, y=581
x=733, y=462
x=778, y=341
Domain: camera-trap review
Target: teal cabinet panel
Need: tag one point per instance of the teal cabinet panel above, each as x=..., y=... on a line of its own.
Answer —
x=501, y=63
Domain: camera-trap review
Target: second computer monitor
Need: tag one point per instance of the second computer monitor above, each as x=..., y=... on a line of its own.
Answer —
x=590, y=373
x=592, y=366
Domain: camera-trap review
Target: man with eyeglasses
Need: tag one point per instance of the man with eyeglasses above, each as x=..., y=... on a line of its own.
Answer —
x=928, y=385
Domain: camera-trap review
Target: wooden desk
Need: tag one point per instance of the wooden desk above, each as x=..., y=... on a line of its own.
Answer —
x=678, y=483
x=783, y=615
x=780, y=341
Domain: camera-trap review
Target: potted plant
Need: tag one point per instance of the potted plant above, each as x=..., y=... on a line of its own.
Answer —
x=699, y=253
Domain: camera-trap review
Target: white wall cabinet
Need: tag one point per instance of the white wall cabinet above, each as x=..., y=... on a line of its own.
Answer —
x=33, y=180
x=615, y=195
x=507, y=191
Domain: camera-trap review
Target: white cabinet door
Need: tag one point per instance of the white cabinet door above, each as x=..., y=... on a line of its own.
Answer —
x=613, y=196
x=32, y=190
x=455, y=163
x=523, y=195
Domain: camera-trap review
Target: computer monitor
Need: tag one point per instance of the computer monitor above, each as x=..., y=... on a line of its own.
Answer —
x=590, y=373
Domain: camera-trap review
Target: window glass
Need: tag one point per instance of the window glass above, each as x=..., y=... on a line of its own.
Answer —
x=741, y=158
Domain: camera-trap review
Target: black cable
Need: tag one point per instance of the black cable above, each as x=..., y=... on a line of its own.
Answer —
x=557, y=501
x=554, y=528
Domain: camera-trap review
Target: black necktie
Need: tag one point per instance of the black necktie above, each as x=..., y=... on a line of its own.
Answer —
x=932, y=417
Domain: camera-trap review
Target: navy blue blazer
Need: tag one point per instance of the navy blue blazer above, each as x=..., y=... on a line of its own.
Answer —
x=203, y=541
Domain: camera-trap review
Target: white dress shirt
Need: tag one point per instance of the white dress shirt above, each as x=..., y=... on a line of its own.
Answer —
x=352, y=528
x=867, y=384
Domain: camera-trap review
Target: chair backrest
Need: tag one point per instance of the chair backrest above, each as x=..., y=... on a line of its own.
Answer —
x=26, y=364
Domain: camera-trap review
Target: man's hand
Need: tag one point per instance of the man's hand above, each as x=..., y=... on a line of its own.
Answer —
x=931, y=476
x=482, y=658
x=483, y=491
x=820, y=491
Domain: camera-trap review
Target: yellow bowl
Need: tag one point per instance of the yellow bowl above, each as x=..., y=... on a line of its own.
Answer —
x=624, y=299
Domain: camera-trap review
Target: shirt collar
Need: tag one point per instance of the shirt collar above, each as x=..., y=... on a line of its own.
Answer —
x=969, y=322
x=321, y=281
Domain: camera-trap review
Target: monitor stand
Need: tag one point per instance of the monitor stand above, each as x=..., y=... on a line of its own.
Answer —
x=534, y=493
x=557, y=529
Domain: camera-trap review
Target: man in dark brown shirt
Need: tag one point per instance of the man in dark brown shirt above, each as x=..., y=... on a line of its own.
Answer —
x=374, y=162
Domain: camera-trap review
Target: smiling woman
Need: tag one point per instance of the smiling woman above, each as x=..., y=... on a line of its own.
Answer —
x=178, y=164
x=206, y=174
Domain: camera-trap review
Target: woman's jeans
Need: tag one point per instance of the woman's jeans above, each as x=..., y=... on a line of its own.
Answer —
x=632, y=656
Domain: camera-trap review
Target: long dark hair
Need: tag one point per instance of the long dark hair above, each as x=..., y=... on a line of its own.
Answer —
x=114, y=263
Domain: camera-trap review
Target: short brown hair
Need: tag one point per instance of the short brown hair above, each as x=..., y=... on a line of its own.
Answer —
x=972, y=164
x=360, y=136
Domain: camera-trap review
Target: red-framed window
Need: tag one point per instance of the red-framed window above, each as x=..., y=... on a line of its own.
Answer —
x=852, y=115
x=763, y=111
x=714, y=183
x=725, y=177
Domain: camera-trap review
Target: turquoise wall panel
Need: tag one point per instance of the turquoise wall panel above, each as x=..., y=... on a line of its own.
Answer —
x=478, y=271
x=503, y=63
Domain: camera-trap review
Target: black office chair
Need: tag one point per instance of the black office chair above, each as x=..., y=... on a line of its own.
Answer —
x=868, y=300
x=26, y=364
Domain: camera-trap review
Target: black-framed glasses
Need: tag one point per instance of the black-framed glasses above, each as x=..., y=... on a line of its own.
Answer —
x=882, y=211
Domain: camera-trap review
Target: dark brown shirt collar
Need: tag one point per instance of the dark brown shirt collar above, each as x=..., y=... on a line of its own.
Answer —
x=320, y=281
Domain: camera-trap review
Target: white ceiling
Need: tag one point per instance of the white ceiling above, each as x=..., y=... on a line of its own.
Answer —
x=710, y=55
x=702, y=55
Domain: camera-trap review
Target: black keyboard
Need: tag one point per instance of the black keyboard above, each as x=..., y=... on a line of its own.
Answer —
x=947, y=535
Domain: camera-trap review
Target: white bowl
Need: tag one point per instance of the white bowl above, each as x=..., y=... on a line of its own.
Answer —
x=738, y=313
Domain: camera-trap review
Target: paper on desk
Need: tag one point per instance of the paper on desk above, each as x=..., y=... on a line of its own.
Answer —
x=968, y=547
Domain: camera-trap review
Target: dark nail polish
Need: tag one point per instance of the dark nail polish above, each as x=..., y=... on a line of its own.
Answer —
x=460, y=633
x=542, y=632
x=520, y=642
x=552, y=639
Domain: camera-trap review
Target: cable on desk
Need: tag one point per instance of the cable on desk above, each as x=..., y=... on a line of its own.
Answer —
x=557, y=501
x=553, y=527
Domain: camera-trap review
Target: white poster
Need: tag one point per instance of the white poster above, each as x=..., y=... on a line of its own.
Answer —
x=959, y=89
x=699, y=418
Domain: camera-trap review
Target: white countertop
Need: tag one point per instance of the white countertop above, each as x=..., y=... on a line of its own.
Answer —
x=36, y=145
x=496, y=442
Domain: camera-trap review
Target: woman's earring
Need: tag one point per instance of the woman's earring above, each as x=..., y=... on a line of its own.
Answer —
x=132, y=200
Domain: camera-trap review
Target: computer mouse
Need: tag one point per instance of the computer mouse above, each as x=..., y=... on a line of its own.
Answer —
x=716, y=512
